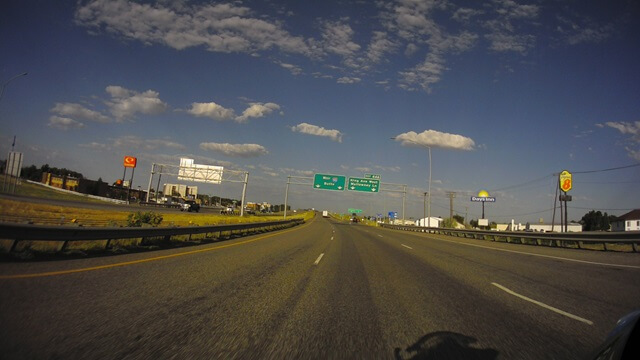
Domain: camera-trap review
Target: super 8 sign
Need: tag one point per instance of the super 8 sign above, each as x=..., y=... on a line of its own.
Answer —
x=130, y=161
x=566, y=182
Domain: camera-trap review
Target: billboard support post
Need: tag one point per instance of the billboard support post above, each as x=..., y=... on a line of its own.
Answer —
x=153, y=166
x=244, y=193
x=286, y=196
x=130, y=184
x=158, y=184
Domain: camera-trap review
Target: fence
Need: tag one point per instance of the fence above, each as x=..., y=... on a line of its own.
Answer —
x=18, y=232
x=535, y=238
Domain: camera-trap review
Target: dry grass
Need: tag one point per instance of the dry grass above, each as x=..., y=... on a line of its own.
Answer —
x=67, y=215
x=43, y=214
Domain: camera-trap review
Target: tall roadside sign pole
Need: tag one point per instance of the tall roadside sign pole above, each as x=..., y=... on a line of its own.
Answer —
x=129, y=162
x=565, y=180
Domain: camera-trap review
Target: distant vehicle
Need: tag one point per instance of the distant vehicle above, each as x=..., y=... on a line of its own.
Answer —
x=325, y=214
x=190, y=206
x=355, y=219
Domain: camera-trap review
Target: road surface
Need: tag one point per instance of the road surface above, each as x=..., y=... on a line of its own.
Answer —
x=322, y=290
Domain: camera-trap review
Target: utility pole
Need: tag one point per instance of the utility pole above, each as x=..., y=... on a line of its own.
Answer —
x=425, y=209
x=451, y=195
x=466, y=212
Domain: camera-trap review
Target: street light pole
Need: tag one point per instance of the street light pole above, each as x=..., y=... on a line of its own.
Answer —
x=14, y=138
x=8, y=81
x=429, y=189
x=429, y=202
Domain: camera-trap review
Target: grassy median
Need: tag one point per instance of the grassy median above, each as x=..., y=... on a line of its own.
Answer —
x=25, y=211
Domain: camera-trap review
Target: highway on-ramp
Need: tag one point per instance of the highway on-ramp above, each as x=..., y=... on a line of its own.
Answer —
x=325, y=289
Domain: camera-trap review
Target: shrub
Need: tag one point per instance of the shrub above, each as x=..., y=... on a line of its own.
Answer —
x=139, y=219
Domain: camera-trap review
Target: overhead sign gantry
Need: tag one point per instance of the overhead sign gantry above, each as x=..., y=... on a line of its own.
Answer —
x=189, y=171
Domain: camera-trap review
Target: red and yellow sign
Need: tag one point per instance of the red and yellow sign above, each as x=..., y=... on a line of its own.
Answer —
x=566, y=182
x=130, y=161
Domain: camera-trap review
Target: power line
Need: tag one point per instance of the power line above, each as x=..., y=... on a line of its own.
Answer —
x=603, y=170
x=592, y=208
x=523, y=184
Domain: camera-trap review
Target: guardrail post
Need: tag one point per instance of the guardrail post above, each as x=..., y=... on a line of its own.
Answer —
x=634, y=246
x=604, y=245
x=14, y=245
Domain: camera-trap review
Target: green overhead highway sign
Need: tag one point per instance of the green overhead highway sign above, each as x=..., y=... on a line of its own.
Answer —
x=362, y=184
x=356, y=211
x=328, y=182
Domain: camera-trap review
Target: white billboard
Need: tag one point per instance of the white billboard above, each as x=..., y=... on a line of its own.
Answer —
x=189, y=171
x=14, y=164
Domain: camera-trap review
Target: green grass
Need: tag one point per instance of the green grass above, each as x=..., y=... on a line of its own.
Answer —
x=40, y=191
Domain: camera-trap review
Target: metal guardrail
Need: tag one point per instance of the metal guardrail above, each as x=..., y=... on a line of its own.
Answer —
x=19, y=232
x=535, y=238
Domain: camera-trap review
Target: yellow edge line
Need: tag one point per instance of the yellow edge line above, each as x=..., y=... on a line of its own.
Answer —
x=64, y=272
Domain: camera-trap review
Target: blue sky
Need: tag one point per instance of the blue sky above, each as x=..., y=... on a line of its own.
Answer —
x=505, y=92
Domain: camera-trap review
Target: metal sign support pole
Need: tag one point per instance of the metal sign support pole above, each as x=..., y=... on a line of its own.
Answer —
x=566, y=215
x=404, y=197
x=153, y=166
x=286, y=196
x=244, y=193
x=158, y=185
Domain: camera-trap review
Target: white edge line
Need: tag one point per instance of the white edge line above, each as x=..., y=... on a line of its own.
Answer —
x=548, y=307
x=380, y=235
x=542, y=255
x=318, y=259
x=408, y=247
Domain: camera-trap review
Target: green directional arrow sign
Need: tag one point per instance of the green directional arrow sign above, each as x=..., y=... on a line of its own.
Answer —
x=362, y=184
x=329, y=182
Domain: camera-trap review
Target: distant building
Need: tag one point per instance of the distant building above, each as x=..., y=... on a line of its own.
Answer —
x=181, y=190
x=571, y=227
x=627, y=222
x=435, y=222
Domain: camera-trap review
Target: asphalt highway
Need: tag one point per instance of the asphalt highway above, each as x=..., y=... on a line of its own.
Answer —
x=321, y=290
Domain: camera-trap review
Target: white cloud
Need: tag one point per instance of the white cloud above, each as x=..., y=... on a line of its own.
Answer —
x=295, y=70
x=388, y=168
x=77, y=111
x=298, y=172
x=503, y=34
x=217, y=27
x=504, y=42
x=379, y=46
x=236, y=150
x=95, y=146
x=465, y=14
x=125, y=103
x=586, y=32
x=315, y=130
x=436, y=139
x=64, y=123
x=337, y=39
x=136, y=142
x=634, y=154
x=348, y=80
x=211, y=110
x=424, y=74
x=257, y=110
x=628, y=128
x=175, y=159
